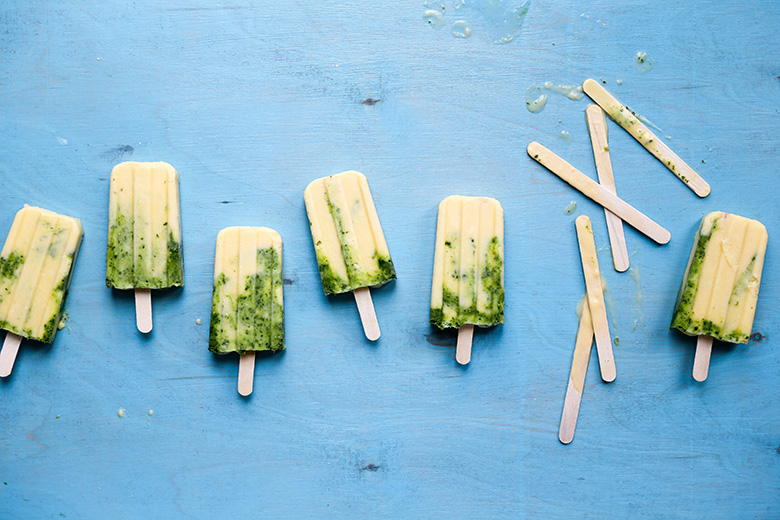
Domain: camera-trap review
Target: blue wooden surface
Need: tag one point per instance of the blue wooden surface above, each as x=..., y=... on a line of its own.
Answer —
x=250, y=102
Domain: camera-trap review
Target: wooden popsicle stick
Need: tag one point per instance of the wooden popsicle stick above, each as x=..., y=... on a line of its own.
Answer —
x=463, y=349
x=701, y=360
x=598, y=193
x=623, y=116
x=597, y=127
x=246, y=373
x=143, y=310
x=367, y=313
x=598, y=310
x=8, y=353
x=579, y=367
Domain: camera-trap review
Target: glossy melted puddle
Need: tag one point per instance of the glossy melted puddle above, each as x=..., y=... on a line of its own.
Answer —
x=498, y=20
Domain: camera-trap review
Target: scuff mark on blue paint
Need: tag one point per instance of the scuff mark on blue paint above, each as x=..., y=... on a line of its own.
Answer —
x=757, y=337
x=288, y=281
x=370, y=467
x=118, y=152
x=370, y=101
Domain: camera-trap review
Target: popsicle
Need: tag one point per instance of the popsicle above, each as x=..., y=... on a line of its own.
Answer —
x=468, y=268
x=36, y=265
x=247, y=305
x=144, y=233
x=719, y=292
x=351, y=251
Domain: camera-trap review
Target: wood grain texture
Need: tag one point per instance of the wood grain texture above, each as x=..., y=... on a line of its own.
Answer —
x=252, y=100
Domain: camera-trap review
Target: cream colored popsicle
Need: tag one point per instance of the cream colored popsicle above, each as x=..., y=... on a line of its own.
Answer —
x=36, y=265
x=720, y=288
x=468, y=268
x=352, y=254
x=247, y=306
x=144, y=232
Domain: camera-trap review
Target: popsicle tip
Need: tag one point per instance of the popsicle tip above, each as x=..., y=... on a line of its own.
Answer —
x=589, y=83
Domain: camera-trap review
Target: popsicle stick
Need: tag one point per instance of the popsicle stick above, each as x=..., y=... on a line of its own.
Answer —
x=143, y=310
x=597, y=127
x=701, y=361
x=598, y=311
x=463, y=350
x=367, y=313
x=8, y=353
x=598, y=193
x=579, y=367
x=246, y=373
x=623, y=116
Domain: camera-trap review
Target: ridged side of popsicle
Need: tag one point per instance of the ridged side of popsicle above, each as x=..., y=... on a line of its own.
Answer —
x=468, y=271
x=144, y=227
x=348, y=240
x=36, y=265
x=247, y=306
x=720, y=288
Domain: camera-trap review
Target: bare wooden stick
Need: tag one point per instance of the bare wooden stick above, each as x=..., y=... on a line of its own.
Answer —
x=463, y=349
x=246, y=373
x=367, y=313
x=701, y=360
x=579, y=367
x=597, y=127
x=626, y=118
x=143, y=310
x=598, y=311
x=598, y=193
x=8, y=353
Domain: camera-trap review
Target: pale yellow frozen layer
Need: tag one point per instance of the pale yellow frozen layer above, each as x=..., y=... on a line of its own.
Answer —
x=247, y=308
x=720, y=289
x=468, y=265
x=144, y=227
x=348, y=240
x=36, y=264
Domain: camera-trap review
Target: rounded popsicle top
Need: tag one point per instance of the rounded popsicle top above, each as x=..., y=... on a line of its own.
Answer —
x=317, y=183
x=27, y=210
x=708, y=221
x=266, y=236
x=129, y=166
x=490, y=201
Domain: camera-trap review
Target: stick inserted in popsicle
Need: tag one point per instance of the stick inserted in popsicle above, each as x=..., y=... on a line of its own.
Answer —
x=598, y=310
x=144, y=233
x=352, y=253
x=247, y=305
x=626, y=118
x=468, y=268
x=36, y=265
x=597, y=127
x=719, y=291
x=579, y=368
x=598, y=193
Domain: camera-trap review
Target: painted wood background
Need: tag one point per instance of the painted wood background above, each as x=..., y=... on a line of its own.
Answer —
x=252, y=100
